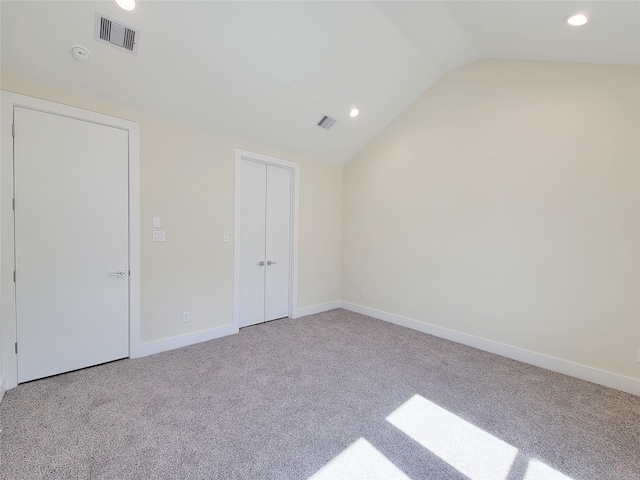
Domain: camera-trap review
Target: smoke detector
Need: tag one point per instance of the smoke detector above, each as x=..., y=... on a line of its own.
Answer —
x=80, y=53
x=116, y=34
x=326, y=122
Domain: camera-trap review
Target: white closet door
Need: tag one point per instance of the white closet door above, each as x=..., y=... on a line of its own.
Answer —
x=252, y=241
x=265, y=233
x=278, y=235
x=71, y=240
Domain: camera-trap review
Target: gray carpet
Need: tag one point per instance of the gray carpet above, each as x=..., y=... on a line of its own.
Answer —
x=283, y=399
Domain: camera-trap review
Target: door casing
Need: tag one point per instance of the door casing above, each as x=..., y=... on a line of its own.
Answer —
x=9, y=372
x=293, y=286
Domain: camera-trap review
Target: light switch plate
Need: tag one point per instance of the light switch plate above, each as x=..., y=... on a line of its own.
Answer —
x=156, y=222
x=158, y=236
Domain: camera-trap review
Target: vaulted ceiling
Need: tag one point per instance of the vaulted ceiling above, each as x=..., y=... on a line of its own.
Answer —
x=268, y=71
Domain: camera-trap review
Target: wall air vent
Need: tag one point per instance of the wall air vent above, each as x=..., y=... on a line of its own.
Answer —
x=116, y=34
x=326, y=122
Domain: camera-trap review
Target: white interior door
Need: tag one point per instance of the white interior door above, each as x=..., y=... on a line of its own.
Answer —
x=71, y=243
x=265, y=236
x=252, y=242
x=277, y=238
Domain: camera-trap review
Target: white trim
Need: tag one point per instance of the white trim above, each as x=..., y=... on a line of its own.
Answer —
x=2, y=387
x=7, y=294
x=323, y=307
x=172, y=343
x=134, y=240
x=295, y=199
x=590, y=374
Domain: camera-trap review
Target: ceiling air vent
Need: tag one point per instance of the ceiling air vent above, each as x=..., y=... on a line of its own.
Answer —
x=326, y=122
x=116, y=34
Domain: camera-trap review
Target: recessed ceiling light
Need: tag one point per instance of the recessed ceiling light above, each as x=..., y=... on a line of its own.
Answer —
x=577, y=20
x=354, y=112
x=127, y=5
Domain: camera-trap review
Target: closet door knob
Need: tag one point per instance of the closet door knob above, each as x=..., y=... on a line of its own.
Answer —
x=261, y=263
x=269, y=262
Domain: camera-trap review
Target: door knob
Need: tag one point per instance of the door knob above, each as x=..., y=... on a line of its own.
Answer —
x=269, y=262
x=261, y=263
x=118, y=273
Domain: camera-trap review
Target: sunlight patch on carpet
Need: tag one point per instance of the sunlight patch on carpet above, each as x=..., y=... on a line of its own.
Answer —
x=360, y=461
x=467, y=448
x=473, y=452
x=541, y=471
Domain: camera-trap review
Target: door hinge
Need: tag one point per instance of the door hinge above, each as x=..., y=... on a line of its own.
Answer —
x=13, y=130
x=14, y=276
x=16, y=347
x=13, y=204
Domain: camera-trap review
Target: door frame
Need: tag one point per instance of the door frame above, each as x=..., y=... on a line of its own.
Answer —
x=237, y=215
x=8, y=318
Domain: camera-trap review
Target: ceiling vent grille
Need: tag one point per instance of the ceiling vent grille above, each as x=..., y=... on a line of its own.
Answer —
x=326, y=122
x=116, y=34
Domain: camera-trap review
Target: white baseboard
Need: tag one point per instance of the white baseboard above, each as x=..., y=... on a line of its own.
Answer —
x=158, y=346
x=2, y=387
x=608, y=379
x=323, y=307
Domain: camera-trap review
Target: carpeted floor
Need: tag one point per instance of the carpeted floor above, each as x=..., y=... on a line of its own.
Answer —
x=334, y=395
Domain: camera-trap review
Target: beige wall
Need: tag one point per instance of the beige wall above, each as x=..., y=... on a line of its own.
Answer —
x=187, y=178
x=504, y=204
x=2, y=374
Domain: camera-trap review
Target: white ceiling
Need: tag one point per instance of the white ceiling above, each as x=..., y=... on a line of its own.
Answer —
x=226, y=66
